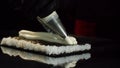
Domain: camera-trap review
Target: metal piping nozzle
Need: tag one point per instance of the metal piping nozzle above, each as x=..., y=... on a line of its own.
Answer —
x=53, y=23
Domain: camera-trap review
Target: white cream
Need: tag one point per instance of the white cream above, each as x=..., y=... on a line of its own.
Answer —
x=47, y=37
x=70, y=40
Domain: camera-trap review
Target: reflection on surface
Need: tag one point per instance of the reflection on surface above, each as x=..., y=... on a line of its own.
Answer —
x=66, y=61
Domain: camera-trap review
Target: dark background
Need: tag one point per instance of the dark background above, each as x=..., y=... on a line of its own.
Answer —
x=104, y=13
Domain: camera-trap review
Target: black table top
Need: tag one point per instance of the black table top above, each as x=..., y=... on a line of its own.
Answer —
x=103, y=54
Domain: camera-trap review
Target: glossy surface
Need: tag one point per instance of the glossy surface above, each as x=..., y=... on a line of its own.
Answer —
x=104, y=54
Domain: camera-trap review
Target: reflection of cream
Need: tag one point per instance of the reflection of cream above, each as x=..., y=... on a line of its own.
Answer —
x=48, y=49
x=47, y=37
x=71, y=64
x=56, y=61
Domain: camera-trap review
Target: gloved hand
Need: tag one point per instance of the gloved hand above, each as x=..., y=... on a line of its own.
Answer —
x=33, y=8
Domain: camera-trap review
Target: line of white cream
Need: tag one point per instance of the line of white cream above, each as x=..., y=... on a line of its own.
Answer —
x=47, y=37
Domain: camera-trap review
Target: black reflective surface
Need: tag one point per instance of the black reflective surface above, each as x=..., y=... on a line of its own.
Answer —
x=104, y=54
